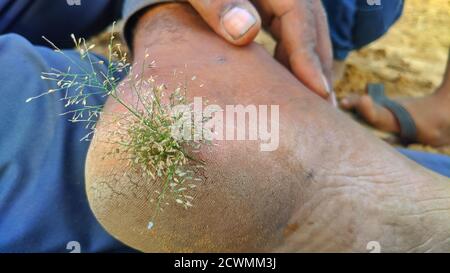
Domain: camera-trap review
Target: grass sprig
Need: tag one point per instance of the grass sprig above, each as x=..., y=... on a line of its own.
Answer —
x=145, y=136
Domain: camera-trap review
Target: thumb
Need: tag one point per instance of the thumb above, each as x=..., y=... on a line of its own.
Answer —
x=236, y=21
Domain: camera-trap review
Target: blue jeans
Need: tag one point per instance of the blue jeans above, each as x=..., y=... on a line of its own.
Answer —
x=43, y=203
x=57, y=19
x=434, y=162
x=355, y=23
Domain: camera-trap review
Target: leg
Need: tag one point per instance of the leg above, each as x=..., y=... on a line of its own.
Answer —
x=319, y=191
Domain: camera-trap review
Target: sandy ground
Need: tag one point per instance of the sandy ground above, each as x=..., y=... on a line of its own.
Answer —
x=410, y=59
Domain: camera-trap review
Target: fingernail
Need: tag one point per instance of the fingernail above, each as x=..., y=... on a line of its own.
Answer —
x=326, y=84
x=331, y=95
x=334, y=101
x=238, y=21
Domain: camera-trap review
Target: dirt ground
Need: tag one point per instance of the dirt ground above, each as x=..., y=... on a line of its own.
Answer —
x=410, y=59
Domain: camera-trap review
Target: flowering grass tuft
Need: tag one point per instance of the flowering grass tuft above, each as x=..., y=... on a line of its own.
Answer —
x=146, y=141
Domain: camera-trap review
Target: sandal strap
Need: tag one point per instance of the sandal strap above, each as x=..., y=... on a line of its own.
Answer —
x=408, y=128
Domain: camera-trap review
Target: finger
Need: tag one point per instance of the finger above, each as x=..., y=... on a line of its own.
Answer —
x=298, y=38
x=265, y=11
x=280, y=50
x=305, y=64
x=235, y=20
x=324, y=46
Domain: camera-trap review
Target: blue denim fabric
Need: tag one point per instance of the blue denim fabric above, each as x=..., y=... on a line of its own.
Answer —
x=434, y=162
x=43, y=204
x=356, y=23
x=57, y=19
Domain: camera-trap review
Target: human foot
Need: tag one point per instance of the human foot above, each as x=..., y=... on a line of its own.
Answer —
x=431, y=115
x=318, y=192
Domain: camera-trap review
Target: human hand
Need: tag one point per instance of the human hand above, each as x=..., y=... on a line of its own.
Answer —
x=300, y=28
